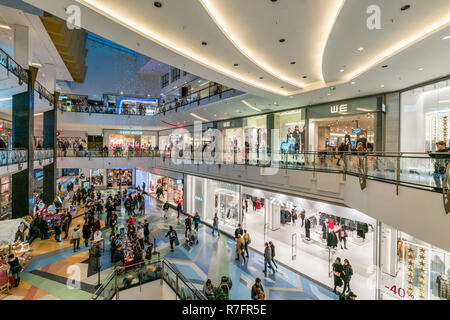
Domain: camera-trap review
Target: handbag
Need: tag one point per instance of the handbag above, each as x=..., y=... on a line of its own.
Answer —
x=177, y=242
x=71, y=241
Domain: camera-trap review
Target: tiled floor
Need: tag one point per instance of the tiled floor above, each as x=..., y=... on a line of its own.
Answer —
x=54, y=264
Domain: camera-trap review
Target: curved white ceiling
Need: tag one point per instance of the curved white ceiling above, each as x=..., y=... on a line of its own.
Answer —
x=322, y=37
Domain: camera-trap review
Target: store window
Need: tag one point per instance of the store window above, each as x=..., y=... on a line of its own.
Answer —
x=425, y=115
x=412, y=269
x=5, y=198
x=175, y=191
x=96, y=177
x=345, y=122
x=6, y=132
x=175, y=74
x=292, y=131
x=158, y=186
x=208, y=197
x=119, y=178
x=164, y=80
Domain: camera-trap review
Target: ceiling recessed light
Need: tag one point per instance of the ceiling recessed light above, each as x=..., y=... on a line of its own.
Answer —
x=157, y=4
x=353, y=82
x=204, y=43
x=446, y=38
x=282, y=40
x=420, y=69
x=405, y=7
x=384, y=66
x=215, y=115
x=341, y=70
x=4, y=26
x=293, y=62
x=236, y=64
x=382, y=86
x=291, y=97
x=328, y=94
x=360, y=49
x=225, y=113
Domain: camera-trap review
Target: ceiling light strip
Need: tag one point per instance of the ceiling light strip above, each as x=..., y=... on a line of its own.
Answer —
x=6, y=99
x=245, y=51
x=198, y=117
x=101, y=8
x=400, y=47
x=250, y=106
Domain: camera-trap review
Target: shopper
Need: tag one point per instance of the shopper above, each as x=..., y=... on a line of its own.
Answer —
x=256, y=286
x=337, y=271
x=179, y=209
x=272, y=250
x=342, y=235
x=216, y=225
x=247, y=241
x=146, y=231
x=268, y=258
x=172, y=234
x=142, y=205
x=86, y=233
x=196, y=221
x=442, y=157
x=238, y=231
x=15, y=268
x=208, y=289
x=140, y=235
x=166, y=209
x=347, y=272
x=188, y=224
x=118, y=255
x=240, y=248
x=76, y=236
x=57, y=229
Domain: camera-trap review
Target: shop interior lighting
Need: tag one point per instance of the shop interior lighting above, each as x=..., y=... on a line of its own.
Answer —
x=250, y=106
x=446, y=38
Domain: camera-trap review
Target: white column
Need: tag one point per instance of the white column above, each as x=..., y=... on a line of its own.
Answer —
x=48, y=73
x=21, y=45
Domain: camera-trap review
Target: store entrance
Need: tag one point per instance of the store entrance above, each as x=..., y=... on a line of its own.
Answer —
x=119, y=178
x=326, y=134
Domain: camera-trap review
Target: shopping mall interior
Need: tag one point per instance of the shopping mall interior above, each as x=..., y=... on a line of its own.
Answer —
x=246, y=150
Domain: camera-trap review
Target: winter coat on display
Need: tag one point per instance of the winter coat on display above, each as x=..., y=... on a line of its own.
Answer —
x=332, y=240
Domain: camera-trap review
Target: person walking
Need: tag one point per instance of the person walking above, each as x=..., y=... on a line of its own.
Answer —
x=337, y=272
x=140, y=235
x=146, y=231
x=76, y=236
x=188, y=224
x=247, y=241
x=86, y=233
x=268, y=258
x=256, y=286
x=208, y=289
x=238, y=231
x=216, y=225
x=272, y=250
x=342, y=235
x=196, y=221
x=179, y=209
x=142, y=205
x=166, y=209
x=15, y=268
x=347, y=272
x=172, y=234
x=57, y=229
x=240, y=247
x=442, y=157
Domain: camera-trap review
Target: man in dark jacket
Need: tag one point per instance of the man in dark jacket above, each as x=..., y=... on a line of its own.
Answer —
x=179, y=209
x=188, y=224
x=238, y=231
x=86, y=234
x=337, y=272
x=442, y=156
x=118, y=255
x=257, y=285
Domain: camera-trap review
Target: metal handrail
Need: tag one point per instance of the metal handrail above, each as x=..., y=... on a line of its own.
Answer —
x=198, y=295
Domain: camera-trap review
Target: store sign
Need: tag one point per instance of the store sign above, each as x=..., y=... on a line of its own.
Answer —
x=131, y=132
x=198, y=198
x=179, y=181
x=356, y=130
x=338, y=108
x=278, y=202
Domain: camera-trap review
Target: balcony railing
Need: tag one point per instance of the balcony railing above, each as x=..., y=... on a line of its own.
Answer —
x=13, y=156
x=13, y=67
x=412, y=169
x=123, y=278
x=43, y=154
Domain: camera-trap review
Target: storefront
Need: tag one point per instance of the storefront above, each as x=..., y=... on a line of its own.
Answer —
x=424, y=117
x=170, y=186
x=5, y=198
x=119, y=178
x=292, y=131
x=142, y=180
x=358, y=120
x=96, y=177
x=124, y=139
x=208, y=197
x=412, y=269
x=158, y=186
x=6, y=131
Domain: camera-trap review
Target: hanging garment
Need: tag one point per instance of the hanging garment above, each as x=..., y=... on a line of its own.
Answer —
x=258, y=204
x=324, y=231
x=307, y=227
x=331, y=224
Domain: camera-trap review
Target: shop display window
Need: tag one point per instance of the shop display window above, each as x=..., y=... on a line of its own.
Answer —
x=292, y=131
x=119, y=178
x=96, y=177
x=5, y=198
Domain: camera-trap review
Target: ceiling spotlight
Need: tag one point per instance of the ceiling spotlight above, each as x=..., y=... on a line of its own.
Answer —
x=328, y=94
x=282, y=40
x=157, y=4
x=353, y=82
x=382, y=86
x=4, y=26
x=360, y=49
x=420, y=69
x=385, y=66
x=405, y=7
x=236, y=64
x=293, y=62
x=341, y=70
x=204, y=43
x=446, y=38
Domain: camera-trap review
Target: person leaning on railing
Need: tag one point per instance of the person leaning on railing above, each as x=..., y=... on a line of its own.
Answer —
x=442, y=156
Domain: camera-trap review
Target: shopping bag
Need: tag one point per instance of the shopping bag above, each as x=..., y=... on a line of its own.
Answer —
x=177, y=242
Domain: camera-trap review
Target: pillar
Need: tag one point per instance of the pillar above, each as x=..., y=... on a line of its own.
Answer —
x=21, y=45
x=22, y=137
x=50, y=169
